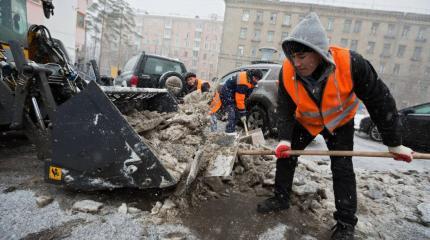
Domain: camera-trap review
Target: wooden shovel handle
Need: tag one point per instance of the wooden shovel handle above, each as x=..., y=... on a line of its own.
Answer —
x=424, y=156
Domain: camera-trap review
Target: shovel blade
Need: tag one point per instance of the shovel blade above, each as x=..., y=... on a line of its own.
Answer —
x=254, y=137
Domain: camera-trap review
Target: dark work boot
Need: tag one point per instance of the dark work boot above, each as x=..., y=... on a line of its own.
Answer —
x=273, y=204
x=342, y=231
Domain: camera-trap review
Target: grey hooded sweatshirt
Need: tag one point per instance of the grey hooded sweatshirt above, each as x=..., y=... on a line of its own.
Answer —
x=368, y=87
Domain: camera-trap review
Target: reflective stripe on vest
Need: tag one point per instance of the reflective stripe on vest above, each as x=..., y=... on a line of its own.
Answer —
x=242, y=79
x=339, y=102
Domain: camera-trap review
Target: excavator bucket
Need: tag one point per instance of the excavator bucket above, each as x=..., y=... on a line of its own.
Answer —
x=94, y=147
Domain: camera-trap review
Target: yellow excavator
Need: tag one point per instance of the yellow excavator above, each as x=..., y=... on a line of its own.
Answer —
x=77, y=126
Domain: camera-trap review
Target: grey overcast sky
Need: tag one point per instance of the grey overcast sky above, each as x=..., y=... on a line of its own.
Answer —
x=203, y=8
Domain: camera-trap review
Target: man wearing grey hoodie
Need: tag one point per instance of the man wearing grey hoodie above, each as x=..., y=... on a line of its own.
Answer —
x=319, y=91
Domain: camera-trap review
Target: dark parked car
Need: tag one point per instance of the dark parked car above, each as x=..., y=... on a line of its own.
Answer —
x=262, y=102
x=416, y=124
x=152, y=71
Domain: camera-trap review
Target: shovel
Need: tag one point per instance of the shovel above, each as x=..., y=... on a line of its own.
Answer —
x=254, y=137
x=422, y=156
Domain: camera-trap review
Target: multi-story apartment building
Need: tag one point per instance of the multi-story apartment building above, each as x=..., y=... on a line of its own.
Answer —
x=194, y=41
x=396, y=43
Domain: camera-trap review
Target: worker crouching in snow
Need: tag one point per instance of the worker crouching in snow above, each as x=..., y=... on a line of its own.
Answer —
x=319, y=91
x=194, y=84
x=232, y=97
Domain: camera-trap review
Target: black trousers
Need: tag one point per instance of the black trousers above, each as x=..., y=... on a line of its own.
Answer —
x=344, y=184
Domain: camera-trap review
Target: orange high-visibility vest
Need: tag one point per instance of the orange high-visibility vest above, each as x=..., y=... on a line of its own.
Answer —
x=215, y=104
x=339, y=102
x=200, y=84
x=240, y=97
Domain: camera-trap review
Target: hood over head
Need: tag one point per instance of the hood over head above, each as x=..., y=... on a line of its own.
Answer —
x=310, y=33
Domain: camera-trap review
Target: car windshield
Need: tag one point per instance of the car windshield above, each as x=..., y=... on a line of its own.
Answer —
x=158, y=66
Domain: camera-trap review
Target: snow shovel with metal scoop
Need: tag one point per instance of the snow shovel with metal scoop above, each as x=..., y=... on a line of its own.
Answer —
x=254, y=137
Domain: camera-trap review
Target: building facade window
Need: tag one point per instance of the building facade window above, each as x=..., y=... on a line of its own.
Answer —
x=257, y=34
x=254, y=52
x=284, y=36
x=417, y=54
x=354, y=45
x=80, y=20
x=168, y=23
x=382, y=68
x=245, y=15
x=396, y=69
x=401, y=50
x=167, y=33
x=347, y=26
x=273, y=18
x=386, y=50
x=370, y=47
x=259, y=17
x=270, y=36
x=357, y=26
x=287, y=20
x=242, y=34
x=197, y=35
x=391, y=30
x=421, y=34
x=405, y=31
x=330, y=24
x=240, y=49
x=344, y=42
x=195, y=53
x=374, y=28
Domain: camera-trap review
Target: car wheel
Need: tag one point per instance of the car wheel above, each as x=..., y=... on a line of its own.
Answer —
x=374, y=134
x=173, y=82
x=258, y=118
